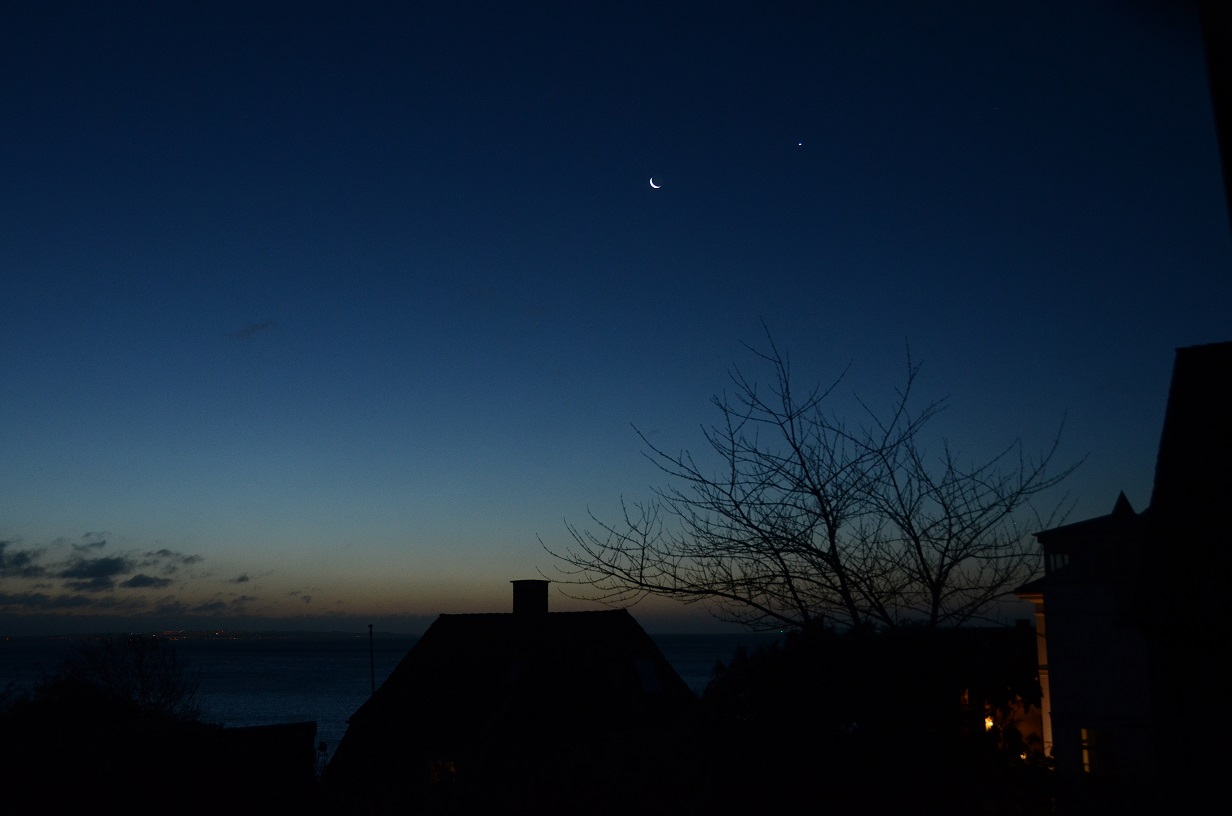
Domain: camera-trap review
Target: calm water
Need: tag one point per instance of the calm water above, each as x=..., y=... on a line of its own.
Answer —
x=260, y=681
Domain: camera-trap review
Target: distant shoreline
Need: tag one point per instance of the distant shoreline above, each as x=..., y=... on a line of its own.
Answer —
x=308, y=634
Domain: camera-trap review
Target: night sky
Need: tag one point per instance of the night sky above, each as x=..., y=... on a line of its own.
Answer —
x=328, y=312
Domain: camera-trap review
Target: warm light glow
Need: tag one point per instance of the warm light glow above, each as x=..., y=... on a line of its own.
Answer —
x=442, y=771
x=988, y=723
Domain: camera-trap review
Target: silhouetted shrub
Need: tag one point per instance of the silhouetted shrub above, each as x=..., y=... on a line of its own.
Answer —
x=116, y=723
x=139, y=674
x=887, y=721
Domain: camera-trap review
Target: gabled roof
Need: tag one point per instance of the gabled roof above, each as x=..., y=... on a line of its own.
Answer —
x=1192, y=485
x=1104, y=549
x=1120, y=521
x=525, y=666
x=483, y=688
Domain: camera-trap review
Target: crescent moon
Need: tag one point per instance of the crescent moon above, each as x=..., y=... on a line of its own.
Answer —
x=652, y=184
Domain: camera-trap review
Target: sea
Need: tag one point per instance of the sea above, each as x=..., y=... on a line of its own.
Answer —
x=247, y=679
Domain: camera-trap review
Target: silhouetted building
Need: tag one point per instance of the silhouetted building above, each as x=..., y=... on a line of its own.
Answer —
x=1092, y=645
x=531, y=710
x=1133, y=618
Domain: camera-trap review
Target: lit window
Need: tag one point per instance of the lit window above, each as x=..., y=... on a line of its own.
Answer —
x=1085, y=735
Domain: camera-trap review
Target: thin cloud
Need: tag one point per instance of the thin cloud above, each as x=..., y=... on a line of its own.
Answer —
x=112, y=604
x=142, y=581
x=168, y=562
x=93, y=568
x=251, y=330
x=173, y=556
x=16, y=563
x=90, y=541
x=70, y=576
x=100, y=583
x=171, y=605
x=41, y=602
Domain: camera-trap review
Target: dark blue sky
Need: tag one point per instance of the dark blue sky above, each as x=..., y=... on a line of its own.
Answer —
x=332, y=309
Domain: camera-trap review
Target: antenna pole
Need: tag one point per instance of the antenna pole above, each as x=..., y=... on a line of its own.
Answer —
x=371, y=659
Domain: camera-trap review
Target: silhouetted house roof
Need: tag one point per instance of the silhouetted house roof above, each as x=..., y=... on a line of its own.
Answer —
x=1104, y=549
x=1114, y=524
x=489, y=701
x=1136, y=611
x=1192, y=473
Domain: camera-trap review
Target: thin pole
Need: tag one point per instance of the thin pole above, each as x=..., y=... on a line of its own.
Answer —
x=371, y=659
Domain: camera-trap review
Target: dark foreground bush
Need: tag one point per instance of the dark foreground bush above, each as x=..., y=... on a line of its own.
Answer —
x=117, y=728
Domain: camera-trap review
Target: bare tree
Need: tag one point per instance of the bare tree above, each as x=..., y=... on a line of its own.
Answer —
x=804, y=519
x=134, y=671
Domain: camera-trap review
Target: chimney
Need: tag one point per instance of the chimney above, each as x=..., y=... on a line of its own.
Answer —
x=530, y=597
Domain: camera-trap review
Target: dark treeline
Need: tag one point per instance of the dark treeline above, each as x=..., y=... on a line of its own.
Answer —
x=116, y=726
x=902, y=721
x=911, y=720
x=891, y=722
